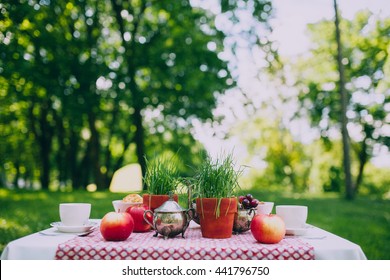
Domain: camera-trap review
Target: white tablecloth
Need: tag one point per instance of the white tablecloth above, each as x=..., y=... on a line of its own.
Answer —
x=327, y=246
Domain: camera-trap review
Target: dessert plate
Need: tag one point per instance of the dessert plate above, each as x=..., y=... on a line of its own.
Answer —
x=73, y=229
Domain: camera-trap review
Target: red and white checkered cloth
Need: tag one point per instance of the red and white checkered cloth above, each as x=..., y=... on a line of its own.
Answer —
x=143, y=246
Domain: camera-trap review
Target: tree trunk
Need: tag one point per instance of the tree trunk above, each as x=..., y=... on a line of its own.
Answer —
x=45, y=140
x=43, y=135
x=350, y=193
x=17, y=175
x=3, y=178
x=74, y=167
x=61, y=153
x=94, y=157
x=363, y=159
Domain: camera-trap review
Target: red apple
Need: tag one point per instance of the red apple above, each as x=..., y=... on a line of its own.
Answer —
x=268, y=229
x=137, y=212
x=116, y=226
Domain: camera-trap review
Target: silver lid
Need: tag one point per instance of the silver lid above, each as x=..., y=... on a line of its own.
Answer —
x=169, y=206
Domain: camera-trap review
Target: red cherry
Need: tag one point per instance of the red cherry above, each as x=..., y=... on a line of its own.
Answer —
x=249, y=197
x=254, y=203
x=241, y=198
x=246, y=203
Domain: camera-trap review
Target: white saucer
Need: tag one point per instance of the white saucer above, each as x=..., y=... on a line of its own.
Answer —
x=297, y=231
x=73, y=229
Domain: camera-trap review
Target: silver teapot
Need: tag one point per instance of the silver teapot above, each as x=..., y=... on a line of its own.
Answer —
x=243, y=219
x=170, y=219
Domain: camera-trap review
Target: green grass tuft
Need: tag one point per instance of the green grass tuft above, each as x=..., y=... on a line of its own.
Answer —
x=162, y=176
x=216, y=178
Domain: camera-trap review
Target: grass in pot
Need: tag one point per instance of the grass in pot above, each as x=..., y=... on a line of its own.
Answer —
x=161, y=179
x=215, y=186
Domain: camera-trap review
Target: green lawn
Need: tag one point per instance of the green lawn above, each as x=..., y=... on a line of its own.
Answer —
x=363, y=221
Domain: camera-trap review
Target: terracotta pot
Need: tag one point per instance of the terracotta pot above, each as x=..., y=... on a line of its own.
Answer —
x=213, y=226
x=156, y=200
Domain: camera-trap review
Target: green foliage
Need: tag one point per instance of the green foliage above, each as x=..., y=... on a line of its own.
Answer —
x=162, y=176
x=287, y=161
x=175, y=140
x=376, y=182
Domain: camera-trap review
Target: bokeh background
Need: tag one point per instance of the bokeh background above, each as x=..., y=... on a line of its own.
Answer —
x=300, y=96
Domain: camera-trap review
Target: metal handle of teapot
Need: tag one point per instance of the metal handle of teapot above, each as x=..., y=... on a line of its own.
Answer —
x=252, y=212
x=189, y=217
x=146, y=218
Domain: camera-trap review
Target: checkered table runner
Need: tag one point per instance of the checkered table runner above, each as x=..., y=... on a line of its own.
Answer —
x=143, y=246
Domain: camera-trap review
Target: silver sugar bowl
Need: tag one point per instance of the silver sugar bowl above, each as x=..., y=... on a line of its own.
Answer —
x=170, y=219
x=243, y=219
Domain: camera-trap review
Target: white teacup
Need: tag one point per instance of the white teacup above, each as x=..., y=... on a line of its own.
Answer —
x=75, y=214
x=121, y=206
x=264, y=208
x=294, y=216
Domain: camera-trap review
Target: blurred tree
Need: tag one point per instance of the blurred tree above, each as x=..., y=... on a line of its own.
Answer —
x=366, y=43
x=87, y=86
x=287, y=165
x=49, y=65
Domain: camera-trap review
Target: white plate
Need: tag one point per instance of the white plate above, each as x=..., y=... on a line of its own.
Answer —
x=73, y=229
x=296, y=231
